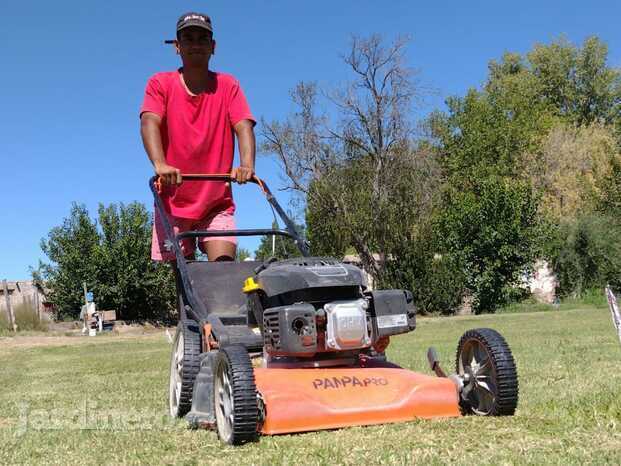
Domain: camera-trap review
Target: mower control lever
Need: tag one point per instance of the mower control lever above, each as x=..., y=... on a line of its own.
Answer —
x=265, y=264
x=434, y=362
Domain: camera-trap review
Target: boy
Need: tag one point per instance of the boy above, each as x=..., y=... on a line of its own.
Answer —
x=188, y=121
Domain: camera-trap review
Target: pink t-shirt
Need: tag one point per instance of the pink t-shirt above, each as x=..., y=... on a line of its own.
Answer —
x=197, y=135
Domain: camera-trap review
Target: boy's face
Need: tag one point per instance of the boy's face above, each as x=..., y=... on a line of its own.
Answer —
x=195, y=45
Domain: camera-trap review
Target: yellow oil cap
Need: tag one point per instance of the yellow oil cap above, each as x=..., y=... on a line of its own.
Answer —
x=250, y=285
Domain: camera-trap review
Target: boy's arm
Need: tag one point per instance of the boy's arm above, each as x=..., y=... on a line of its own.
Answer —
x=244, y=130
x=152, y=140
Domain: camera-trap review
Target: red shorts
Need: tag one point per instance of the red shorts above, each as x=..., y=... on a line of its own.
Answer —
x=223, y=220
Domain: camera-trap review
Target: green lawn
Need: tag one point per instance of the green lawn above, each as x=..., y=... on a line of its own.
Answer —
x=104, y=401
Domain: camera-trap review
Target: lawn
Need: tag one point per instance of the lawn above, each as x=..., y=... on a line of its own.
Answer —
x=103, y=400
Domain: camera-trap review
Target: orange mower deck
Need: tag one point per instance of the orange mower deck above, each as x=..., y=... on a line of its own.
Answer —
x=300, y=400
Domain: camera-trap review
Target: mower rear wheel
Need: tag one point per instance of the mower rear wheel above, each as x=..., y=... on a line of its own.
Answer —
x=487, y=368
x=235, y=396
x=184, y=365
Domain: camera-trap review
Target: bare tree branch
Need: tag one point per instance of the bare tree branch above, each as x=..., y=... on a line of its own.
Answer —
x=355, y=168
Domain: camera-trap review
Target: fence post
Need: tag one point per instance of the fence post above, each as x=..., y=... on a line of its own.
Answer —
x=36, y=303
x=9, y=309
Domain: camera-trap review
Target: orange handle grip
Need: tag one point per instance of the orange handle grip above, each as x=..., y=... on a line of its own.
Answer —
x=213, y=177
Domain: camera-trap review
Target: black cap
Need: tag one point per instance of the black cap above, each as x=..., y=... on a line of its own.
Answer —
x=194, y=19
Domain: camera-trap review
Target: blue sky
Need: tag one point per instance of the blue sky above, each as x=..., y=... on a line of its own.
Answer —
x=73, y=76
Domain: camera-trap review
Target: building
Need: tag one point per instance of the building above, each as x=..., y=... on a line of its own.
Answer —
x=24, y=292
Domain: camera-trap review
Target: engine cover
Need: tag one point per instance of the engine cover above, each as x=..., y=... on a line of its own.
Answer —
x=346, y=326
x=297, y=277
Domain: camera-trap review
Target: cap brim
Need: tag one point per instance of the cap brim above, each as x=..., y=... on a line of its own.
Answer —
x=195, y=23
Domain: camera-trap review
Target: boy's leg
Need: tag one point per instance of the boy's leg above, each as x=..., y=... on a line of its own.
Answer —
x=220, y=248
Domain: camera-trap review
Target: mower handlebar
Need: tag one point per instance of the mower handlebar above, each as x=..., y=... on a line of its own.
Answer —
x=156, y=187
x=215, y=177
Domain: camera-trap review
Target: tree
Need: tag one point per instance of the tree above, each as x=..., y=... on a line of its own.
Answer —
x=241, y=254
x=113, y=259
x=489, y=131
x=70, y=248
x=424, y=266
x=587, y=254
x=486, y=132
x=537, y=138
x=493, y=232
x=574, y=169
x=609, y=187
x=364, y=179
x=574, y=83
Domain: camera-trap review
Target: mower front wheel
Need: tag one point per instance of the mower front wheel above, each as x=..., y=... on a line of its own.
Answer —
x=235, y=396
x=487, y=368
x=184, y=365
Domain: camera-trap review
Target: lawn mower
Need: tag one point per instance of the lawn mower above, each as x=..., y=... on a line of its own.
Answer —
x=295, y=345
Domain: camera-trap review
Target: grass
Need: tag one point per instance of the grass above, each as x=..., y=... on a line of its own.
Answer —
x=591, y=300
x=26, y=318
x=104, y=401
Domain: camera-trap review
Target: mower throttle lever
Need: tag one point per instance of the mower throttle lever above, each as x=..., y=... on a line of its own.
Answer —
x=265, y=264
x=434, y=362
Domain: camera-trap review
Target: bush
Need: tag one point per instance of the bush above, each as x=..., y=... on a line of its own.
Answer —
x=595, y=297
x=492, y=228
x=587, y=255
x=439, y=287
x=436, y=280
x=112, y=255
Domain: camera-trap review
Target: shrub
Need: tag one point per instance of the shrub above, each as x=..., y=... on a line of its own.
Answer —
x=112, y=255
x=436, y=279
x=492, y=228
x=587, y=254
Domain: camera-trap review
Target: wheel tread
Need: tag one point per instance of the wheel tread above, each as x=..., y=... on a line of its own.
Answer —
x=246, y=411
x=504, y=367
x=191, y=363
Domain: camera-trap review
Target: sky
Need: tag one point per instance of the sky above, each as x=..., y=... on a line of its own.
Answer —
x=74, y=72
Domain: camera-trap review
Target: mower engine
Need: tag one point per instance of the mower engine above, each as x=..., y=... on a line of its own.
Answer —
x=318, y=307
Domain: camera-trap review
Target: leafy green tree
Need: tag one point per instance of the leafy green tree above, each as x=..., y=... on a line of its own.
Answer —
x=587, y=254
x=486, y=132
x=423, y=265
x=489, y=131
x=609, y=187
x=241, y=254
x=114, y=261
x=326, y=232
x=540, y=124
x=70, y=248
x=493, y=231
x=575, y=83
